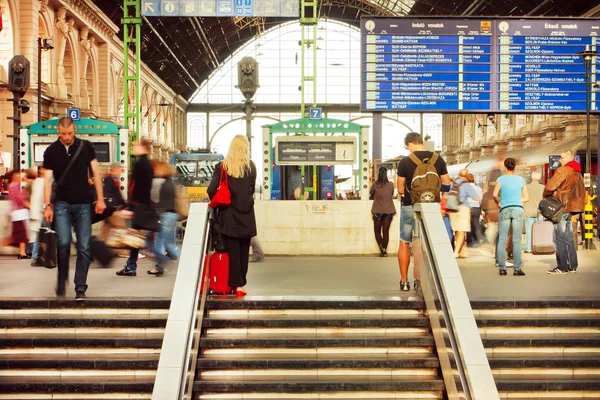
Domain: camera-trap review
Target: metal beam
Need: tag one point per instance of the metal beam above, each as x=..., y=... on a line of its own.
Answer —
x=206, y=44
x=185, y=69
x=269, y=108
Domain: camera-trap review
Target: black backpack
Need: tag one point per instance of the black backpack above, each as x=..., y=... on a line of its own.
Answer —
x=425, y=186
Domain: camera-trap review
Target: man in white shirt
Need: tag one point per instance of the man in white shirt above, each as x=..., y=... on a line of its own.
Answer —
x=36, y=213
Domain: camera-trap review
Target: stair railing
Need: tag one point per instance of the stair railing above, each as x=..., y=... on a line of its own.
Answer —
x=452, y=321
x=177, y=364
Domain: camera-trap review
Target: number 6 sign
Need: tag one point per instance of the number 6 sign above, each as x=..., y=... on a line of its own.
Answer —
x=74, y=113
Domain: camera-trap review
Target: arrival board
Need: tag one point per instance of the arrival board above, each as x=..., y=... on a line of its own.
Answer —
x=479, y=66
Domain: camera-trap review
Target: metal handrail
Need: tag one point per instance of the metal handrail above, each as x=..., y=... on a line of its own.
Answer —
x=446, y=297
x=177, y=363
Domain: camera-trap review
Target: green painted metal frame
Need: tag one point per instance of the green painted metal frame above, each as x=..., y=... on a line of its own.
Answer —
x=132, y=21
x=309, y=25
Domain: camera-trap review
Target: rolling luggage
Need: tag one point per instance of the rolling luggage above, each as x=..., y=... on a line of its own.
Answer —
x=542, y=237
x=219, y=273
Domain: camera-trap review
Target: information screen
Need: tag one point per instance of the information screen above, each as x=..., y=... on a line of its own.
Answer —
x=478, y=66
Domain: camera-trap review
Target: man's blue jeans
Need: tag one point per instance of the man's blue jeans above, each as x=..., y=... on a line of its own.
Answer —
x=510, y=216
x=529, y=221
x=79, y=217
x=566, y=252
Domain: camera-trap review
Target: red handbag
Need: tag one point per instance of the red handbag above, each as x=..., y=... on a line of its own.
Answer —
x=222, y=198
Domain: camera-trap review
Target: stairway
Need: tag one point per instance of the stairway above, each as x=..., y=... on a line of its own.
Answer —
x=100, y=349
x=542, y=349
x=311, y=348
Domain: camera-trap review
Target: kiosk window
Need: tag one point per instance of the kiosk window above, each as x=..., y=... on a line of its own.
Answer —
x=102, y=151
x=38, y=152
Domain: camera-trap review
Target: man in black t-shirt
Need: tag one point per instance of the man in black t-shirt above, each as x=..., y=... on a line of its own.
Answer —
x=406, y=169
x=72, y=206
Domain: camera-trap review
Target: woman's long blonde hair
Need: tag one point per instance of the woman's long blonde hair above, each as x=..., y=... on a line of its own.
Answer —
x=237, y=161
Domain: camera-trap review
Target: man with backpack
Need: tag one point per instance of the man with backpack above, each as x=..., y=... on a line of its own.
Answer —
x=422, y=176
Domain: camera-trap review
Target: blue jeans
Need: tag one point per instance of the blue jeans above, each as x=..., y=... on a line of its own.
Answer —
x=165, y=239
x=510, y=216
x=407, y=224
x=35, y=251
x=528, y=225
x=566, y=252
x=449, y=229
x=79, y=217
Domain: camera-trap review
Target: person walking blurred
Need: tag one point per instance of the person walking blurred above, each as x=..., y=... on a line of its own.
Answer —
x=36, y=213
x=19, y=213
x=567, y=186
x=491, y=217
x=141, y=185
x=237, y=222
x=536, y=193
x=461, y=220
x=510, y=193
x=67, y=161
x=383, y=210
x=476, y=237
x=164, y=245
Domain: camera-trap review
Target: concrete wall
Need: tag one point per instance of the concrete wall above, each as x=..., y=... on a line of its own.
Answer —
x=320, y=228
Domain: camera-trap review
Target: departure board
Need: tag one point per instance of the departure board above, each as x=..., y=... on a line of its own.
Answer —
x=477, y=66
x=538, y=67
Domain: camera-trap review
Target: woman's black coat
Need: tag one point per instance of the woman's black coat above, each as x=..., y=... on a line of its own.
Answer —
x=236, y=220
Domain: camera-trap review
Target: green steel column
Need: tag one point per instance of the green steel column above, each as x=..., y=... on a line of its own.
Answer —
x=307, y=23
x=132, y=21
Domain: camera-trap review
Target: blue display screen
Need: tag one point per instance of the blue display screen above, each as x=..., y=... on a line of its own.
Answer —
x=456, y=65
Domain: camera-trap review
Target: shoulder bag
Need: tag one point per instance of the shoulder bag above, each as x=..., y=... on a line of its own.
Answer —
x=222, y=198
x=552, y=209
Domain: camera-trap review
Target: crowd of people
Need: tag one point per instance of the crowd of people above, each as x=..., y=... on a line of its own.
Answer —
x=53, y=197
x=494, y=218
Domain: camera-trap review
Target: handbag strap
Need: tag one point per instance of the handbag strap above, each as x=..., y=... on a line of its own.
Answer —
x=224, y=170
x=64, y=174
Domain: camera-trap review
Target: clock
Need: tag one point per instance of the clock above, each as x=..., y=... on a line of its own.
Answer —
x=344, y=151
x=503, y=26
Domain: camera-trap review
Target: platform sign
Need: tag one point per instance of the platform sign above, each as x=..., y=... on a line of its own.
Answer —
x=315, y=113
x=74, y=113
x=220, y=8
x=455, y=65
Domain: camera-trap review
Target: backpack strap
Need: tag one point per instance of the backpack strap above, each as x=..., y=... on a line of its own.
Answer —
x=415, y=159
x=433, y=159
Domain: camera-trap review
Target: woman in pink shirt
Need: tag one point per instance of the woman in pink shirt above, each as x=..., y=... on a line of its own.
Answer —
x=19, y=214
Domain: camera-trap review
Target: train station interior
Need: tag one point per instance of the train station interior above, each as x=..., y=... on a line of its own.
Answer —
x=325, y=92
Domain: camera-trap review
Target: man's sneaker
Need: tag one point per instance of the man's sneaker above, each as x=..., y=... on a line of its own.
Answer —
x=556, y=271
x=126, y=272
x=417, y=285
x=405, y=286
x=80, y=296
x=572, y=270
x=502, y=272
x=518, y=272
x=510, y=263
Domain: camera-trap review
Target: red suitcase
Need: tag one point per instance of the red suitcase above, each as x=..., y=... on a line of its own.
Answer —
x=219, y=273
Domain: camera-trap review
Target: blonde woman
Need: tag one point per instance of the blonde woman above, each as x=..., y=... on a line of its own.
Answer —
x=236, y=222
